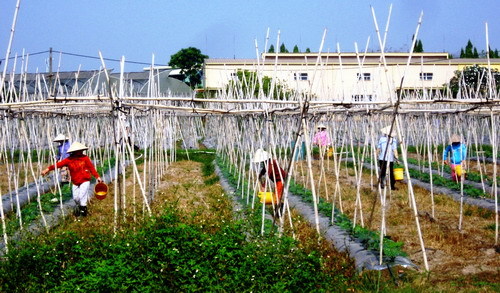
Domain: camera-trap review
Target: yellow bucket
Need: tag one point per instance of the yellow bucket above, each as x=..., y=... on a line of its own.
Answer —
x=266, y=197
x=399, y=174
x=458, y=170
x=100, y=190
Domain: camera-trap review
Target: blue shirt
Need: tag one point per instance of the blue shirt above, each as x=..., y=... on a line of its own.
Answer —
x=458, y=153
x=62, y=150
x=382, y=145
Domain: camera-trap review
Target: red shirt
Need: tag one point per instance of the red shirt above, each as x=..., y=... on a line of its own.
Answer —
x=80, y=168
x=275, y=172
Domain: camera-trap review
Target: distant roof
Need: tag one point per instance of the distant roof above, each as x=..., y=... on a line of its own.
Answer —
x=350, y=58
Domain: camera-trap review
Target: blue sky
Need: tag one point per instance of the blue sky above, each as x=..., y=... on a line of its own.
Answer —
x=228, y=29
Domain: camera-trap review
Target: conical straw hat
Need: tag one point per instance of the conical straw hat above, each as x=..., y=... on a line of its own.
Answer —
x=386, y=130
x=455, y=138
x=60, y=137
x=260, y=156
x=76, y=146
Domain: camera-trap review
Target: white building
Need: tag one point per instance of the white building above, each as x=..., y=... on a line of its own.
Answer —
x=347, y=77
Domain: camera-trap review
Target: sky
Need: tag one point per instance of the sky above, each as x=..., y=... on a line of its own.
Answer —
x=147, y=30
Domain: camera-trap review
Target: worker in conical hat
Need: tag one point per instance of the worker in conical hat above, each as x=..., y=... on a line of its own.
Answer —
x=62, y=153
x=454, y=155
x=321, y=139
x=387, y=152
x=274, y=172
x=81, y=170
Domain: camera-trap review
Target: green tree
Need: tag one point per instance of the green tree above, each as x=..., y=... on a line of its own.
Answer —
x=469, y=52
x=473, y=77
x=296, y=49
x=271, y=49
x=308, y=50
x=283, y=49
x=419, y=48
x=493, y=54
x=190, y=61
x=249, y=84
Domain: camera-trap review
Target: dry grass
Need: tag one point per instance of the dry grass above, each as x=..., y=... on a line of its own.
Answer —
x=181, y=187
x=451, y=253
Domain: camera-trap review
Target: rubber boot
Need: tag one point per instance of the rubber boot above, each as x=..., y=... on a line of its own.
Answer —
x=77, y=211
x=83, y=211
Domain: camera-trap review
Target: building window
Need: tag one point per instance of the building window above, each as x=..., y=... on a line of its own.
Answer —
x=362, y=98
x=300, y=76
x=364, y=76
x=426, y=76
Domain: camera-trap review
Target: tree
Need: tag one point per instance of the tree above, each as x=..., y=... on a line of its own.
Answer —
x=296, y=49
x=249, y=84
x=419, y=48
x=469, y=52
x=283, y=49
x=475, y=78
x=190, y=61
x=308, y=50
x=271, y=49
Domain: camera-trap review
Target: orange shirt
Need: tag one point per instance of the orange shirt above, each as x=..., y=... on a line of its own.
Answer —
x=80, y=168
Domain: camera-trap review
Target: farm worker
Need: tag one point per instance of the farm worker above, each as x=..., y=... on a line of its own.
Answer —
x=322, y=139
x=454, y=154
x=81, y=170
x=387, y=152
x=275, y=173
x=62, y=153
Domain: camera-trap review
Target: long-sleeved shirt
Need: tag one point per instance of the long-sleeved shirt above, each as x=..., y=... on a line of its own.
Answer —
x=274, y=171
x=458, y=153
x=321, y=138
x=382, y=145
x=62, y=150
x=80, y=168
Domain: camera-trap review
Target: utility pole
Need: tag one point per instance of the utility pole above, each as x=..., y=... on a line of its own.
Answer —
x=50, y=72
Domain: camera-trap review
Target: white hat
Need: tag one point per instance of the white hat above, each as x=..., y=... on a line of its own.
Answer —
x=60, y=137
x=455, y=138
x=321, y=126
x=76, y=146
x=260, y=156
x=386, y=130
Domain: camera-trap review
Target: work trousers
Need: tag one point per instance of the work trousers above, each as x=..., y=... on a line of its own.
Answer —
x=81, y=193
x=383, y=170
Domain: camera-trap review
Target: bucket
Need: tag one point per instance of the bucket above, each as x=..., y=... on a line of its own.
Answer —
x=399, y=174
x=458, y=170
x=329, y=154
x=266, y=197
x=100, y=190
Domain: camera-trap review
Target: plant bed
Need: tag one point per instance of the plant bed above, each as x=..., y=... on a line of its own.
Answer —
x=449, y=250
x=369, y=240
x=190, y=244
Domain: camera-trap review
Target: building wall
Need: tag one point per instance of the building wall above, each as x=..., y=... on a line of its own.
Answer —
x=344, y=79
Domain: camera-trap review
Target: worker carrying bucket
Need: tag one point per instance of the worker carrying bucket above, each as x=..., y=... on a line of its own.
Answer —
x=276, y=175
x=81, y=170
x=454, y=154
x=387, y=152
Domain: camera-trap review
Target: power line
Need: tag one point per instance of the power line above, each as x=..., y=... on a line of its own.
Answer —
x=86, y=56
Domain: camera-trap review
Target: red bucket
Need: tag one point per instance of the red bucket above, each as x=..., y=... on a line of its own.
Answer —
x=100, y=190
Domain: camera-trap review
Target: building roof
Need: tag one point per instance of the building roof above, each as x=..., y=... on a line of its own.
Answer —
x=349, y=59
